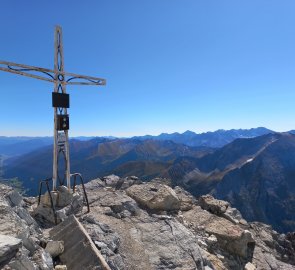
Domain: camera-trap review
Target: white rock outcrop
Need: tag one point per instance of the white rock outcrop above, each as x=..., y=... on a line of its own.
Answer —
x=154, y=196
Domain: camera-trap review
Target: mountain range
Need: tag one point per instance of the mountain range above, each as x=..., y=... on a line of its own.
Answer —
x=15, y=146
x=146, y=156
x=213, y=139
x=98, y=157
x=254, y=173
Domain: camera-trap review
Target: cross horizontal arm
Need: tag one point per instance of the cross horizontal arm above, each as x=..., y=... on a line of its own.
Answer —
x=72, y=78
x=51, y=75
x=28, y=71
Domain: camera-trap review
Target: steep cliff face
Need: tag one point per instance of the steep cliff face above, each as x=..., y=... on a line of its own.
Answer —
x=135, y=225
x=263, y=189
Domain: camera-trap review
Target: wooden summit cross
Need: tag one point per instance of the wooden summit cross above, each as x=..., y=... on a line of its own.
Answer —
x=60, y=100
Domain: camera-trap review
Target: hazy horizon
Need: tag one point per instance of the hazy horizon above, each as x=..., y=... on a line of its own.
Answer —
x=135, y=135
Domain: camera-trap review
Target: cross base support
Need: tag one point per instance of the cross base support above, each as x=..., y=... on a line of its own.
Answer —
x=61, y=198
x=55, y=206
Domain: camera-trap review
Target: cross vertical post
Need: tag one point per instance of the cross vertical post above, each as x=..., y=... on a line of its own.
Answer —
x=61, y=137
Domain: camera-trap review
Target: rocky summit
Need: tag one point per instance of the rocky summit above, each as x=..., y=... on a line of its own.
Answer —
x=138, y=226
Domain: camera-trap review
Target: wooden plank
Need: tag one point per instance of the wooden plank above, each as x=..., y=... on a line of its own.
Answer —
x=80, y=251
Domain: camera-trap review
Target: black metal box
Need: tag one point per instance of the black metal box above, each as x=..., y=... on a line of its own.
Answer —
x=63, y=122
x=60, y=100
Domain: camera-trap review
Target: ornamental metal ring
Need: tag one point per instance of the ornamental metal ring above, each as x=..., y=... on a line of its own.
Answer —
x=60, y=77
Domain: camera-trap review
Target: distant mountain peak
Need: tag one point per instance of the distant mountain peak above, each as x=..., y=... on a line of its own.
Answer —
x=188, y=132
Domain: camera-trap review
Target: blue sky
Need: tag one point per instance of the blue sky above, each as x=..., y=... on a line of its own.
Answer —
x=170, y=65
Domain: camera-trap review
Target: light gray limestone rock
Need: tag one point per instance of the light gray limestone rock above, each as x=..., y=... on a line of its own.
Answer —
x=55, y=248
x=8, y=247
x=154, y=196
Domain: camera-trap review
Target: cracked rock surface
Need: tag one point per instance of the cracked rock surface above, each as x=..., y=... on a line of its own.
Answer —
x=145, y=232
x=146, y=226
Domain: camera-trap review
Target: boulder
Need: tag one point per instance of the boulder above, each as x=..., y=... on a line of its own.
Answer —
x=128, y=182
x=231, y=237
x=186, y=199
x=11, y=224
x=29, y=242
x=43, y=259
x=14, y=198
x=55, y=248
x=8, y=247
x=233, y=215
x=111, y=180
x=95, y=184
x=24, y=215
x=214, y=206
x=154, y=196
x=21, y=261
